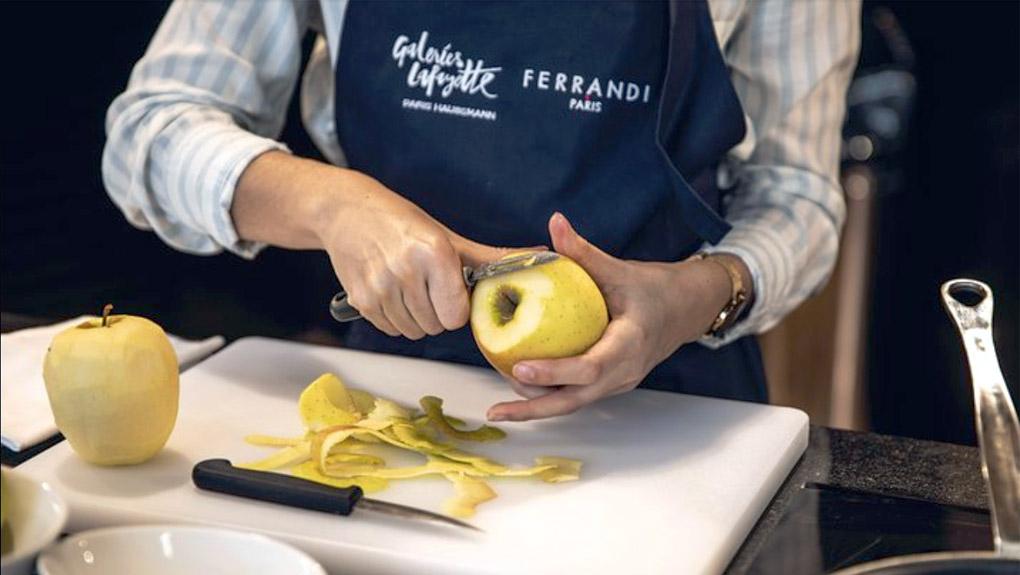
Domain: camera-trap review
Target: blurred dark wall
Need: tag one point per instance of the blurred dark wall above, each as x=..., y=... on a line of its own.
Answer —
x=66, y=250
x=956, y=215
x=65, y=247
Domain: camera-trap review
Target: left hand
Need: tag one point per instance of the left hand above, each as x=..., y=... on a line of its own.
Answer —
x=654, y=308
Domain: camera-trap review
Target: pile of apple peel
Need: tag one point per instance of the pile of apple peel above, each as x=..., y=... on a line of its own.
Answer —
x=346, y=429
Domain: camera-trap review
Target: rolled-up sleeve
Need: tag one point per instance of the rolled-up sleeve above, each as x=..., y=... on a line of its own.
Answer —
x=208, y=96
x=791, y=62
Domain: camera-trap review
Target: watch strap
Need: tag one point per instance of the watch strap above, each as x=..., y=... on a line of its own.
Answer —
x=738, y=296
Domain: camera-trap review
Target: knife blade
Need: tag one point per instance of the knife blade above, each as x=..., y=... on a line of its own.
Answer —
x=342, y=311
x=221, y=476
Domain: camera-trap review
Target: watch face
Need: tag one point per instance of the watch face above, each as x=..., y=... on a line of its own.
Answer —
x=728, y=316
x=739, y=301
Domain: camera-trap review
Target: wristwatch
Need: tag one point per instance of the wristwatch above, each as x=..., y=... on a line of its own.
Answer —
x=738, y=296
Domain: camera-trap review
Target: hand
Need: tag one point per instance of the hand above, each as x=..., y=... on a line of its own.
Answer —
x=654, y=308
x=400, y=267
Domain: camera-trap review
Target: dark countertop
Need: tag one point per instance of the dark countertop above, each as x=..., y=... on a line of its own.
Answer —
x=894, y=470
x=937, y=487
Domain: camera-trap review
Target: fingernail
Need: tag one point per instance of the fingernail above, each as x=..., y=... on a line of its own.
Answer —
x=496, y=416
x=524, y=373
x=567, y=226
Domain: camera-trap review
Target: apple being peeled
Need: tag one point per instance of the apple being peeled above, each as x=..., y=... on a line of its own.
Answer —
x=113, y=388
x=547, y=311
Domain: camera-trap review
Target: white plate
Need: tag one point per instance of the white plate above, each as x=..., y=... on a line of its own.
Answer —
x=37, y=514
x=174, y=550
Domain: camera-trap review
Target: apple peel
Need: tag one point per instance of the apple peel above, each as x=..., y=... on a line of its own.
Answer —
x=326, y=402
x=290, y=455
x=324, y=442
x=439, y=465
x=364, y=402
x=347, y=458
x=273, y=440
x=415, y=440
x=432, y=467
x=563, y=469
x=384, y=413
x=424, y=420
x=345, y=428
x=310, y=471
x=433, y=408
x=471, y=492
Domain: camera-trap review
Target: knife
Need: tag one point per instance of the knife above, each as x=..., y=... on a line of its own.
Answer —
x=343, y=312
x=221, y=476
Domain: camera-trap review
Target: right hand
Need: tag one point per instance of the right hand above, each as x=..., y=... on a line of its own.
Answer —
x=401, y=269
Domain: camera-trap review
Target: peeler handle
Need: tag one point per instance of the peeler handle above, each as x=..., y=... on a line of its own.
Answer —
x=341, y=310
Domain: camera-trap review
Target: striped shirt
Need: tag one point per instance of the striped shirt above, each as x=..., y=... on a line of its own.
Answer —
x=211, y=92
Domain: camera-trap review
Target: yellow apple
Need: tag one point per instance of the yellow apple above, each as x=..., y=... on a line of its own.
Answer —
x=551, y=310
x=113, y=387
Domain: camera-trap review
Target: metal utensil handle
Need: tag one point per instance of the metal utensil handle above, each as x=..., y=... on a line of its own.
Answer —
x=342, y=311
x=997, y=427
x=220, y=476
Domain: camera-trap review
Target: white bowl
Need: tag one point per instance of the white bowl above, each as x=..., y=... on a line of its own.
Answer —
x=173, y=550
x=37, y=514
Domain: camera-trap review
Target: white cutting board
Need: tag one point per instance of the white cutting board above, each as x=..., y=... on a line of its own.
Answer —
x=671, y=483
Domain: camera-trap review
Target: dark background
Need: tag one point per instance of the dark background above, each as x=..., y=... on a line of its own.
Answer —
x=955, y=214
x=66, y=250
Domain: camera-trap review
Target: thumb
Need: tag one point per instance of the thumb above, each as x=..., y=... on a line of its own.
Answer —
x=568, y=242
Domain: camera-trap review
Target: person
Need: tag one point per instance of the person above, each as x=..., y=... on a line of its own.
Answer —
x=685, y=154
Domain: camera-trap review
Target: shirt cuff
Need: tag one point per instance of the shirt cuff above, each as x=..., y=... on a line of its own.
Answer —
x=766, y=257
x=219, y=157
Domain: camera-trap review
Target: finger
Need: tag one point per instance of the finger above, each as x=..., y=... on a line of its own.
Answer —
x=472, y=253
x=559, y=402
x=568, y=242
x=371, y=313
x=369, y=310
x=396, y=312
x=416, y=298
x=599, y=362
x=447, y=293
x=530, y=391
x=382, y=324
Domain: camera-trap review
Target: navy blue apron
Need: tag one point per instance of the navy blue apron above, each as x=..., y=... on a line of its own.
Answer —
x=493, y=115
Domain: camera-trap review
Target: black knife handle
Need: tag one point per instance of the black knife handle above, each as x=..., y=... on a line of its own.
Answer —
x=219, y=475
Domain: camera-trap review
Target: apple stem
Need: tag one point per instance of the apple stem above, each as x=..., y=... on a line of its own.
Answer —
x=106, y=313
